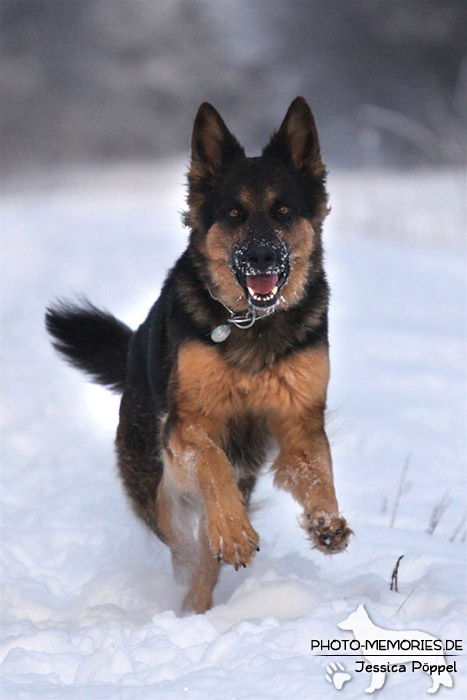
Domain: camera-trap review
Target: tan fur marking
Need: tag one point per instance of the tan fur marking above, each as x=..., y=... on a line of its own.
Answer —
x=259, y=201
x=247, y=198
x=207, y=383
x=270, y=196
x=206, y=574
x=300, y=239
x=218, y=249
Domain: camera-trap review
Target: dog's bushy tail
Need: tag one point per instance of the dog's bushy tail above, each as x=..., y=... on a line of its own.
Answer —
x=91, y=340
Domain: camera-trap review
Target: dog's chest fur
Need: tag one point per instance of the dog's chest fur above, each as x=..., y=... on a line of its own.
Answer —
x=206, y=383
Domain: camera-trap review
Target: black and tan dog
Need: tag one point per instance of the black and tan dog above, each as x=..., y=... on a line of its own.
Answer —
x=233, y=355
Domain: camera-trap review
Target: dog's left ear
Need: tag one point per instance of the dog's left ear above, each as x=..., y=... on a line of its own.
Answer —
x=297, y=139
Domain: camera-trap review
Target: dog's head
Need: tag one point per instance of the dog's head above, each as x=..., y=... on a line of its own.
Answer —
x=256, y=222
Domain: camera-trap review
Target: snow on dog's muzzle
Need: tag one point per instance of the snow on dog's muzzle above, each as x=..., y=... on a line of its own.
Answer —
x=262, y=268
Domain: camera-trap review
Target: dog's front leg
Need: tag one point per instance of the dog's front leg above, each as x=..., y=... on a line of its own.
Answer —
x=199, y=467
x=304, y=468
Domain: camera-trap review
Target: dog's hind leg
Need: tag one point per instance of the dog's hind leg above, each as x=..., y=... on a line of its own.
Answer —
x=175, y=520
x=205, y=575
x=138, y=456
x=154, y=498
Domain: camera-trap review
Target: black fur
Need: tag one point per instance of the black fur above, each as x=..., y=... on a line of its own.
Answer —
x=91, y=340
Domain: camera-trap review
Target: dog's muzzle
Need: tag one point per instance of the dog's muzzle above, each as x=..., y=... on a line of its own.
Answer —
x=262, y=268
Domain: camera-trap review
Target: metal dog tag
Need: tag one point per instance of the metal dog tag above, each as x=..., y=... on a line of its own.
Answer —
x=220, y=333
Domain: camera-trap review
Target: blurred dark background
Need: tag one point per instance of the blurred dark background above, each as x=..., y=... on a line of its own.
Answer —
x=93, y=81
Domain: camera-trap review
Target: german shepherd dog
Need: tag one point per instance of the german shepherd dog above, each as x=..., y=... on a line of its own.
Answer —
x=233, y=355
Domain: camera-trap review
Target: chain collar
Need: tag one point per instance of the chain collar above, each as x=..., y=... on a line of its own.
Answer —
x=222, y=332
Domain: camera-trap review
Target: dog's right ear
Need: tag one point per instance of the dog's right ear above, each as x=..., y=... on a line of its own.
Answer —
x=212, y=144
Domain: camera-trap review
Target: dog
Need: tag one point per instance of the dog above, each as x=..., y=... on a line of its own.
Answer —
x=365, y=631
x=232, y=356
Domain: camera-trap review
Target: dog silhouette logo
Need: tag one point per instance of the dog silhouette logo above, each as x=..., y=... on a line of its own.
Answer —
x=384, y=649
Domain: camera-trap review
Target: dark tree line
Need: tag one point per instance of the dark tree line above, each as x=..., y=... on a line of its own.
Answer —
x=100, y=80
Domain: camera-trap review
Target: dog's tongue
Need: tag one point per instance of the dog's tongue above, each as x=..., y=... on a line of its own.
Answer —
x=262, y=284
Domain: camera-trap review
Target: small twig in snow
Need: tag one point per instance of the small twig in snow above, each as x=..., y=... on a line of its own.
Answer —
x=400, y=490
x=394, y=578
x=438, y=512
x=458, y=528
x=404, y=601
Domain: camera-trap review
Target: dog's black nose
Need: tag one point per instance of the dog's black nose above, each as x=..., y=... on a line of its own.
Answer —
x=262, y=256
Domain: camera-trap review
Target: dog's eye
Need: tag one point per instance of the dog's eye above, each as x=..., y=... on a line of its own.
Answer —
x=234, y=213
x=283, y=210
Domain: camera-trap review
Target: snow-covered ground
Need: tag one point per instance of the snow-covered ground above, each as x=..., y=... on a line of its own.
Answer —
x=90, y=608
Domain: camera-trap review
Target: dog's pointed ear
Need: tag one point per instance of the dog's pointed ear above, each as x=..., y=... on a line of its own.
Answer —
x=297, y=139
x=212, y=144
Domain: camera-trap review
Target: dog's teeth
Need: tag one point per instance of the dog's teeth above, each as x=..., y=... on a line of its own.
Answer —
x=262, y=297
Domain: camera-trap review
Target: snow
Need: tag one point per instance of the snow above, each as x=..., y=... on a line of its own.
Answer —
x=90, y=607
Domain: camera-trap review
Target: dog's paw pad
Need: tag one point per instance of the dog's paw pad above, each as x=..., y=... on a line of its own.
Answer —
x=329, y=534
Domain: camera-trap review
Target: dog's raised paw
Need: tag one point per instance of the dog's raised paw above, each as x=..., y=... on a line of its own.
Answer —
x=330, y=534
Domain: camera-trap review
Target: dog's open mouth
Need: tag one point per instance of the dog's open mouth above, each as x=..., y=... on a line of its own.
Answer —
x=262, y=269
x=263, y=288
